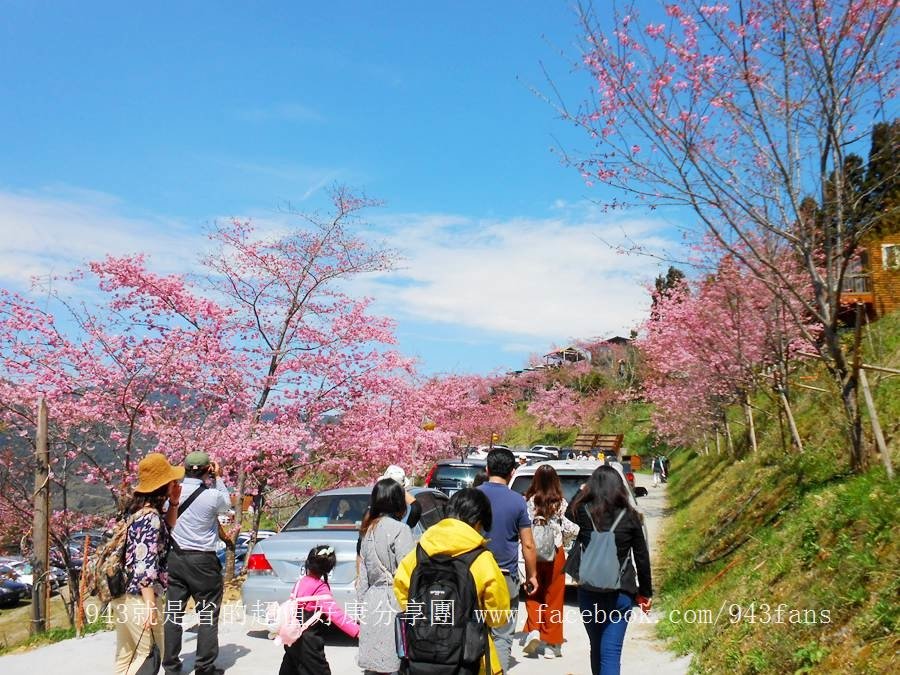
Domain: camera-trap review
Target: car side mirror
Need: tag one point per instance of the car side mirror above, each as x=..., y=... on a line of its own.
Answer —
x=640, y=492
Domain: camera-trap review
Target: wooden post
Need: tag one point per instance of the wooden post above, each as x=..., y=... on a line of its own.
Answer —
x=876, y=426
x=790, y=418
x=728, y=437
x=857, y=431
x=40, y=561
x=82, y=583
x=748, y=411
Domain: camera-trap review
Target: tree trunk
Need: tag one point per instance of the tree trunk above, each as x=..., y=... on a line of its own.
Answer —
x=257, y=514
x=781, y=429
x=848, y=382
x=751, y=429
x=849, y=399
x=238, y=519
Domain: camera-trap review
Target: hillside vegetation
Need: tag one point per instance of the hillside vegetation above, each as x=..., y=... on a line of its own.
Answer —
x=776, y=561
x=796, y=558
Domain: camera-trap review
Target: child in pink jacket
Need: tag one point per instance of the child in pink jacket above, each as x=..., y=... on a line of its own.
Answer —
x=307, y=655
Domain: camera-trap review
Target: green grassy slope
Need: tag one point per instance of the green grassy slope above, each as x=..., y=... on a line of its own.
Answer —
x=797, y=559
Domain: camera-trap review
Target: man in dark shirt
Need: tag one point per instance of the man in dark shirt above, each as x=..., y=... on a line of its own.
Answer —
x=510, y=526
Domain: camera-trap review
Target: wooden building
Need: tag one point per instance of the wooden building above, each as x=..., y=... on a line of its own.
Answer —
x=874, y=278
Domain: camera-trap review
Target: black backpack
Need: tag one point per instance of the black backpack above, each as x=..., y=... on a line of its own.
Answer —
x=443, y=632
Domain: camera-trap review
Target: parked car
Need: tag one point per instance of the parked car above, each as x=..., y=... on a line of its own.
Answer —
x=25, y=574
x=529, y=456
x=551, y=451
x=481, y=452
x=452, y=475
x=331, y=517
x=572, y=475
x=241, y=546
x=12, y=592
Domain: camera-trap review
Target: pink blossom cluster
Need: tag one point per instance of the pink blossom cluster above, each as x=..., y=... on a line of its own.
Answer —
x=706, y=344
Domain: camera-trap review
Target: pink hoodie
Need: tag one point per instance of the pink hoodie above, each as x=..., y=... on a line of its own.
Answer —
x=308, y=586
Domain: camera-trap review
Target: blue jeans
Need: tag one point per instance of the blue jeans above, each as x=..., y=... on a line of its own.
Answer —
x=605, y=617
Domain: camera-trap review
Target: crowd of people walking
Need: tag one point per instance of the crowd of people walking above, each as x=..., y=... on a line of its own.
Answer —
x=447, y=604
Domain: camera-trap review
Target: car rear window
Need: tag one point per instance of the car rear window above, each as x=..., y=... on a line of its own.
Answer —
x=450, y=472
x=571, y=484
x=329, y=512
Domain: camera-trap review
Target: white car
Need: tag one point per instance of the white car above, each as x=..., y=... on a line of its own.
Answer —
x=572, y=475
x=551, y=451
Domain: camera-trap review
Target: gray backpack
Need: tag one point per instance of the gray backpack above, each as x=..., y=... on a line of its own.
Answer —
x=544, y=533
x=600, y=568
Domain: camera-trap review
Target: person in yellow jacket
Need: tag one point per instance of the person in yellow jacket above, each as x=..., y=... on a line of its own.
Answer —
x=468, y=515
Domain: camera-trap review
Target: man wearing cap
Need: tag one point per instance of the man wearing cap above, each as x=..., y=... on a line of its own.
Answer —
x=194, y=568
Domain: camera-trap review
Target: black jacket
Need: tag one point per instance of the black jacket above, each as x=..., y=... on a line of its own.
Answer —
x=629, y=540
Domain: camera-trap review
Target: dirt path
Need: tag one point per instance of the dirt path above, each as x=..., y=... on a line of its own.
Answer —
x=245, y=650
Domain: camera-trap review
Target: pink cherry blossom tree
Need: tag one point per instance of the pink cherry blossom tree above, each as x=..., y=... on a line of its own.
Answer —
x=119, y=369
x=308, y=349
x=707, y=344
x=558, y=406
x=739, y=111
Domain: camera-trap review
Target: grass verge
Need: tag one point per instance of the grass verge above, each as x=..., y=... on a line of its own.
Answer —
x=782, y=562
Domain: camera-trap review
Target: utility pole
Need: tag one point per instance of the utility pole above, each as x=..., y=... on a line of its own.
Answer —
x=40, y=527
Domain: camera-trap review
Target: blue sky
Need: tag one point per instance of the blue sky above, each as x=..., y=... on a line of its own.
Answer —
x=130, y=128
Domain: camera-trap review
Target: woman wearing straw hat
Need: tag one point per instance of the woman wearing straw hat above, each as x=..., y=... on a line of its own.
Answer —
x=153, y=510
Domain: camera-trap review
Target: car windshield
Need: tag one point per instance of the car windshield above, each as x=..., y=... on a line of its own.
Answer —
x=571, y=484
x=330, y=512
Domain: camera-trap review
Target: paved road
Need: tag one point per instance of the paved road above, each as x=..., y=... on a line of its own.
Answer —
x=246, y=651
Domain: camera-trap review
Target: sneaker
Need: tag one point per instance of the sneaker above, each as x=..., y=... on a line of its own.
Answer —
x=532, y=642
x=553, y=651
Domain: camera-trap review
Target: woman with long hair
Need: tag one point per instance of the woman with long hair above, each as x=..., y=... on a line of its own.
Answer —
x=603, y=505
x=384, y=541
x=546, y=509
x=152, y=512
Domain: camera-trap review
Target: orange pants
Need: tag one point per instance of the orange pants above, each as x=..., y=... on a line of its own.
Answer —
x=545, y=608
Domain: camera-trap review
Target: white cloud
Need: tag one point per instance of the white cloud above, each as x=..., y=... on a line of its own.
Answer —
x=524, y=283
x=533, y=280
x=52, y=231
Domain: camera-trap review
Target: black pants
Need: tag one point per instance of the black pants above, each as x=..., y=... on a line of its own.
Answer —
x=307, y=655
x=197, y=575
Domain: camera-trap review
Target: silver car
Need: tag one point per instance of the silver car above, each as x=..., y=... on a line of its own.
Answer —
x=329, y=518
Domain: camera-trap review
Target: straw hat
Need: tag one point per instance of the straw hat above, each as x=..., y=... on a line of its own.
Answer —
x=154, y=471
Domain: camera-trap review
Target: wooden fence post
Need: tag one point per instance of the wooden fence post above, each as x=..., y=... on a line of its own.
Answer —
x=790, y=418
x=876, y=426
x=728, y=437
